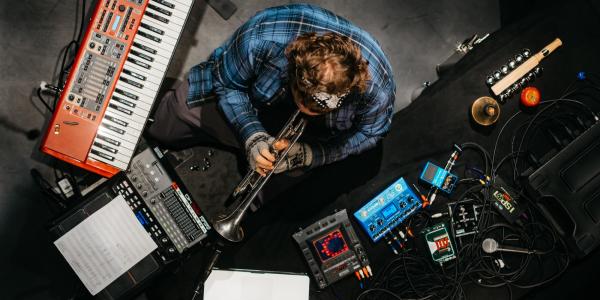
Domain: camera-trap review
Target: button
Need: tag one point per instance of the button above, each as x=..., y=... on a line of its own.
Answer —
x=121, y=8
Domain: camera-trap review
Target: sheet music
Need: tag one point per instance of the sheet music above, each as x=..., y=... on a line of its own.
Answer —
x=105, y=245
x=255, y=285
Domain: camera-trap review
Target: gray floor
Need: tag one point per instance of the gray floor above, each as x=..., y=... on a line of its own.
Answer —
x=416, y=35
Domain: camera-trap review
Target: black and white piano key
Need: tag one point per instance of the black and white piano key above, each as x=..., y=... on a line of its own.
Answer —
x=123, y=120
x=126, y=93
x=145, y=96
x=131, y=82
x=141, y=55
x=144, y=48
x=134, y=74
x=122, y=133
x=180, y=11
x=98, y=154
x=120, y=100
x=124, y=143
x=116, y=119
x=120, y=109
x=147, y=35
x=119, y=156
x=151, y=76
x=106, y=147
x=160, y=10
x=152, y=28
x=108, y=140
x=135, y=113
x=156, y=16
x=138, y=62
x=165, y=3
x=171, y=31
x=168, y=13
x=163, y=49
x=136, y=84
x=114, y=128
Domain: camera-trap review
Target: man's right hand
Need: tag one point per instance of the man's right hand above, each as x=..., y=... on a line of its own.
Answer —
x=259, y=154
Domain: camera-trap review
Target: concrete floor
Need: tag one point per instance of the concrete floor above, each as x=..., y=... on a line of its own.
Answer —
x=416, y=35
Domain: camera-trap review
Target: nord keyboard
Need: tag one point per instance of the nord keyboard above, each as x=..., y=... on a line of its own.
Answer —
x=114, y=82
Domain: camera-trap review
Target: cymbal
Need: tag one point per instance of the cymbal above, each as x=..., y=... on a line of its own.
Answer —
x=485, y=111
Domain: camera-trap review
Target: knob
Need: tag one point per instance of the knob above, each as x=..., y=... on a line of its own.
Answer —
x=380, y=222
x=145, y=194
x=372, y=227
x=171, y=250
x=164, y=240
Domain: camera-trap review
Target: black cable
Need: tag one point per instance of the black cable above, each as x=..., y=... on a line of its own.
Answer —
x=39, y=94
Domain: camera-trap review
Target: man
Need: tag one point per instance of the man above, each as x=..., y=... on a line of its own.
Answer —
x=284, y=59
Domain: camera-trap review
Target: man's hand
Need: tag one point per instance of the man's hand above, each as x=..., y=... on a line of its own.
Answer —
x=261, y=159
x=258, y=152
x=300, y=155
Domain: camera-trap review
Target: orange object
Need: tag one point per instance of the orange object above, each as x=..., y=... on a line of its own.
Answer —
x=97, y=121
x=530, y=96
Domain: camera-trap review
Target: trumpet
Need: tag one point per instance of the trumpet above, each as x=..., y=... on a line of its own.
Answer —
x=228, y=224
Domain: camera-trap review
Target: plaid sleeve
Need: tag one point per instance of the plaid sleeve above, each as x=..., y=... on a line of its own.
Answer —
x=372, y=122
x=233, y=70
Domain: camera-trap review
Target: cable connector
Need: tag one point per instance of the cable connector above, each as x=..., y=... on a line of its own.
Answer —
x=46, y=87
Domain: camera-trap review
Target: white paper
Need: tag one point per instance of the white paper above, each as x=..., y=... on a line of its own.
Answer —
x=105, y=245
x=255, y=285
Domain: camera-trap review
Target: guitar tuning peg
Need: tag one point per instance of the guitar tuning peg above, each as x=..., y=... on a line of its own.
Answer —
x=504, y=69
x=490, y=80
x=512, y=64
x=537, y=71
x=526, y=53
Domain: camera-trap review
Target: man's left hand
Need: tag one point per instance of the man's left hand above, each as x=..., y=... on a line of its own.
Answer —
x=300, y=155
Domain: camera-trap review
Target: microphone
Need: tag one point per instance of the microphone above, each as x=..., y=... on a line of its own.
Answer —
x=490, y=245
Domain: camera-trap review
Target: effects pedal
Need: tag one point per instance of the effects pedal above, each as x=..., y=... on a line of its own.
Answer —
x=332, y=249
x=388, y=209
x=439, y=178
x=439, y=243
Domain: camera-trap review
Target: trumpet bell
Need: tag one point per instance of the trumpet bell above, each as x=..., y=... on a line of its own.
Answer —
x=228, y=229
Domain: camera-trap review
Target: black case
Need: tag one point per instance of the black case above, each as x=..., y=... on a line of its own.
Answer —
x=567, y=190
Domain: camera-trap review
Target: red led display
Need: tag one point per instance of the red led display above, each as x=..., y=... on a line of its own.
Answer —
x=330, y=245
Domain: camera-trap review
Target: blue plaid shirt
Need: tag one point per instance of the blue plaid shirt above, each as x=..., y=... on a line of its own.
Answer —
x=250, y=68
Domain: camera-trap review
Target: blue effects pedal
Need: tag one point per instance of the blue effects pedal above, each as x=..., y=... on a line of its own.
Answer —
x=388, y=209
x=439, y=178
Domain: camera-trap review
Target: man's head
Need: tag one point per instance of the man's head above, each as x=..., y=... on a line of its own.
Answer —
x=324, y=69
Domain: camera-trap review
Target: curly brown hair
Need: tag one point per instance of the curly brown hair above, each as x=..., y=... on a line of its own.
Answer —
x=329, y=63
